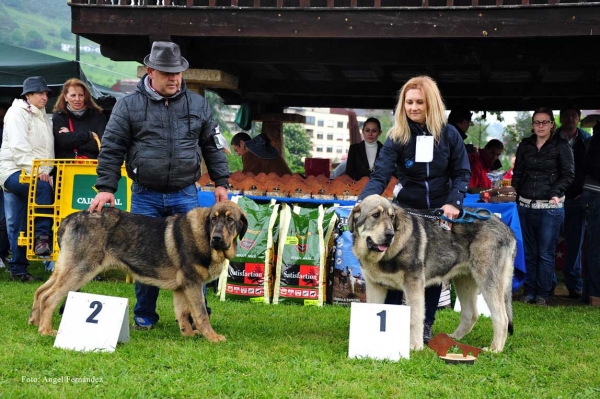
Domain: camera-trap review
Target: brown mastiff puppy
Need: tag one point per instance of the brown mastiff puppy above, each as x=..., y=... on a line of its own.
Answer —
x=179, y=253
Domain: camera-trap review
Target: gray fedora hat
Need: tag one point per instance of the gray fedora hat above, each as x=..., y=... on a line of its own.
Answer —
x=166, y=57
x=35, y=84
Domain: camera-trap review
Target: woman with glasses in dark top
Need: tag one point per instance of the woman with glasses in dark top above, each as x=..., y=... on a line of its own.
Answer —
x=544, y=169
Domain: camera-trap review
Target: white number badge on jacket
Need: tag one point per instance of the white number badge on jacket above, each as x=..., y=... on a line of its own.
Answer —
x=424, y=149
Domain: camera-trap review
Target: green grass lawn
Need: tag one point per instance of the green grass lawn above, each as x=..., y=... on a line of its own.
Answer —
x=287, y=351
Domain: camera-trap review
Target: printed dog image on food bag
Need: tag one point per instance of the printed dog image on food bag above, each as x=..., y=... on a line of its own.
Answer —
x=248, y=276
x=346, y=281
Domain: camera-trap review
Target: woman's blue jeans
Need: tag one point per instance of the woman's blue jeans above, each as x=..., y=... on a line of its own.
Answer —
x=541, y=229
x=15, y=208
x=157, y=204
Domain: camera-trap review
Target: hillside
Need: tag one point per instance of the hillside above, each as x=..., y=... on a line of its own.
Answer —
x=43, y=25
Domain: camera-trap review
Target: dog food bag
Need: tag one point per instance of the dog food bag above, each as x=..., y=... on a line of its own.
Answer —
x=329, y=222
x=248, y=276
x=300, y=257
x=345, y=280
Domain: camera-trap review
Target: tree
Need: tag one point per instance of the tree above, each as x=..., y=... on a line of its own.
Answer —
x=297, y=145
x=514, y=133
x=65, y=33
x=34, y=40
x=477, y=133
x=387, y=121
x=219, y=110
x=17, y=37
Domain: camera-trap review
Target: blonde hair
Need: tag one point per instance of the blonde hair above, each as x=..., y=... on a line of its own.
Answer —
x=435, y=118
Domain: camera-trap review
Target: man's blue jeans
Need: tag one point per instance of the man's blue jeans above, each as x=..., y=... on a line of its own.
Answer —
x=541, y=229
x=574, y=230
x=157, y=204
x=15, y=207
x=591, y=256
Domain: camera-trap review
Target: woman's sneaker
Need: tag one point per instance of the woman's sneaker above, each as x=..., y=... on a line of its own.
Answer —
x=541, y=301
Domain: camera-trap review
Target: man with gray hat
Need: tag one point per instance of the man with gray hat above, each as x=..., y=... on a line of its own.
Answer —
x=27, y=136
x=161, y=131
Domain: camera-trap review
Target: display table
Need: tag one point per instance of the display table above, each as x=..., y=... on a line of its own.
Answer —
x=510, y=216
x=206, y=198
x=507, y=211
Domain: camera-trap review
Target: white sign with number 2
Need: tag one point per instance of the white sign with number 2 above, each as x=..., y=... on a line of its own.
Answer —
x=93, y=322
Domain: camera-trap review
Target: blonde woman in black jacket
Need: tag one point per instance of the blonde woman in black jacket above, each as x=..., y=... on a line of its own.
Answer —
x=438, y=182
x=543, y=171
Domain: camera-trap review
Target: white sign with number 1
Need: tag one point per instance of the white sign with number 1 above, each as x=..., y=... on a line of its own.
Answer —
x=93, y=322
x=379, y=331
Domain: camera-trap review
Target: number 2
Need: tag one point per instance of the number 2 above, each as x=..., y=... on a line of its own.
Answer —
x=98, y=307
x=381, y=320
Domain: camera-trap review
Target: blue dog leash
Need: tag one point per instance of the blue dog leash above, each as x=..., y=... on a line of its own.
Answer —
x=466, y=216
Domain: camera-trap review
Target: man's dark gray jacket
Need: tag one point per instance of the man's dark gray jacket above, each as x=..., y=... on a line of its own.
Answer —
x=161, y=140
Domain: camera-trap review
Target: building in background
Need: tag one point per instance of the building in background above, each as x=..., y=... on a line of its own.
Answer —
x=328, y=131
x=327, y=128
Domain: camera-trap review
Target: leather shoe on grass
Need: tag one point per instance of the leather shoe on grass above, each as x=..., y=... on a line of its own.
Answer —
x=575, y=294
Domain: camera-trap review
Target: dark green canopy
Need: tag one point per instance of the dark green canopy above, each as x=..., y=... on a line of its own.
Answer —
x=17, y=64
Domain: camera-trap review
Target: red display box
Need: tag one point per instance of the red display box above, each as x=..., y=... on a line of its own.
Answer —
x=317, y=166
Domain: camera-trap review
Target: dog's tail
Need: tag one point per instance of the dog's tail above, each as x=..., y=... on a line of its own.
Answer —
x=508, y=305
x=508, y=287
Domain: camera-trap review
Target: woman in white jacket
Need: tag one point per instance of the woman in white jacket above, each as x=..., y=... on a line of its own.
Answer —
x=27, y=136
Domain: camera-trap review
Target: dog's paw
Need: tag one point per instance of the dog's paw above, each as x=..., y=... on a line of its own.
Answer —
x=491, y=349
x=416, y=347
x=188, y=332
x=216, y=338
x=33, y=322
x=50, y=333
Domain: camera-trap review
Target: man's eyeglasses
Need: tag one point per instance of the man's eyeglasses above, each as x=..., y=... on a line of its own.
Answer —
x=543, y=123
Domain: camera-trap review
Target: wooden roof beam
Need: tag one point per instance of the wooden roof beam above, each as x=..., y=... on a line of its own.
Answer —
x=208, y=78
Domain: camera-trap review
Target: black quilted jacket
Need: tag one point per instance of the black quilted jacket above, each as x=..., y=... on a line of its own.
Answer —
x=546, y=173
x=81, y=138
x=161, y=140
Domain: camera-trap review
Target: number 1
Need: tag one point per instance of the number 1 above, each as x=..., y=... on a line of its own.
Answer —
x=381, y=321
